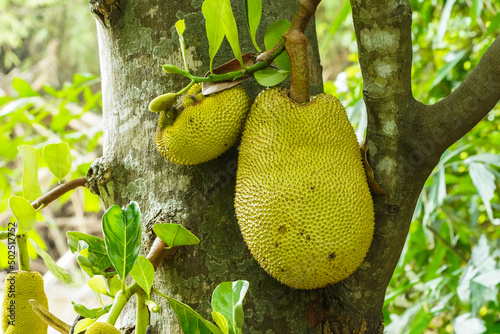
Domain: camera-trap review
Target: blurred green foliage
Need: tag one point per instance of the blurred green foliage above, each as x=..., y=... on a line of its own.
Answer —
x=70, y=114
x=447, y=279
x=52, y=39
x=448, y=276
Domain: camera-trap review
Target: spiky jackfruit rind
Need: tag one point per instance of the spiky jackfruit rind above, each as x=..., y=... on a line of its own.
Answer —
x=100, y=327
x=206, y=128
x=17, y=315
x=302, y=199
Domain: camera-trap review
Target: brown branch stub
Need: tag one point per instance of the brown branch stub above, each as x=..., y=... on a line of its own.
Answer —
x=102, y=10
x=58, y=192
x=158, y=251
x=296, y=47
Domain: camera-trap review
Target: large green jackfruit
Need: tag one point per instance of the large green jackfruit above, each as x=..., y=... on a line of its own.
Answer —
x=17, y=315
x=102, y=328
x=206, y=128
x=302, y=199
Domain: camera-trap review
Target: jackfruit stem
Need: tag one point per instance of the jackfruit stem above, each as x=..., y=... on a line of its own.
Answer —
x=142, y=320
x=296, y=47
x=306, y=10
x=23, y=256
x=118, y=304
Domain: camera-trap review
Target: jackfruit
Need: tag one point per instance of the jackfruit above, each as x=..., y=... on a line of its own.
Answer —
x=206, y=128
x=302, y=200
x=17, y=315
x=102, y=328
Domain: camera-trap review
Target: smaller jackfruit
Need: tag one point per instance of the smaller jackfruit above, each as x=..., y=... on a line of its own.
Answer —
x=207, y=126
x=17, y=315
x=102, y=328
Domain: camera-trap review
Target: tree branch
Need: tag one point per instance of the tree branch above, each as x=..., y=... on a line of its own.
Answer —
x=58, y=192
x=460, y=111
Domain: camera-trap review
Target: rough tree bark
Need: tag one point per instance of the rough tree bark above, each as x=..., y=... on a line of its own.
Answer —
x=405, y=140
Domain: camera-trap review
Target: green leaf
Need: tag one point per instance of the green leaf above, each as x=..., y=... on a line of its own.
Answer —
x=269, y=76
x=97, y=284
x=83, y=324
x=191, y=322
x=253, y=13
x=59, y=272
x=175, y=235
x=114, y=285
x=23, y=88
x=122, y=236
x=97, y=254
x=58, y=159
x=31, y=187
x=230, y=29
x=180, y=26
x=220, y=321
x=227, y=299
x=213, y=24
x=24, y=213
x=273, y=36
x=143, y=274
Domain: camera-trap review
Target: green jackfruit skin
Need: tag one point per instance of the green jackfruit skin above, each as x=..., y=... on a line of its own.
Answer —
x=302, y=200
x=206, y=128
x=20, y=287
x=102, y=328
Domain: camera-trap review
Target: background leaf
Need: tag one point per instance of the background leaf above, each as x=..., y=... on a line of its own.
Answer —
x=31, y=187
x=227, y=299
x=253, y=13
x=214, y=27
x=97, y=254
x=23, y=88
x=24, y=212
x=59, y=272
x=58, y=159
x=269, y=76
x=273, y=36
x=339, y=19
x=143, y=273
x=484, y=181
x=175, y=235
x=122, y=236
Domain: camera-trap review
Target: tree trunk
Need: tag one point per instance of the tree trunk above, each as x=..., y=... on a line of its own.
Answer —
x=403, y=149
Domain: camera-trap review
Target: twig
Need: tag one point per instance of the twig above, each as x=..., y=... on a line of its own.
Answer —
x=58, y=192
x=49, y=318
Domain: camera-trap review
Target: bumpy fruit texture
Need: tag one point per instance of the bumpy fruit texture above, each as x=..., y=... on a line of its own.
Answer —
x=302, y=199
x=17, y=315
x=206, y=128
x=102, y=328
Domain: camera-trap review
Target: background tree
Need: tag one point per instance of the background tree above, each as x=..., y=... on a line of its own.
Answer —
x=208, y=188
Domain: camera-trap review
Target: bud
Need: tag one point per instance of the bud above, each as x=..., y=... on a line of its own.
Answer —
x=162, y=102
